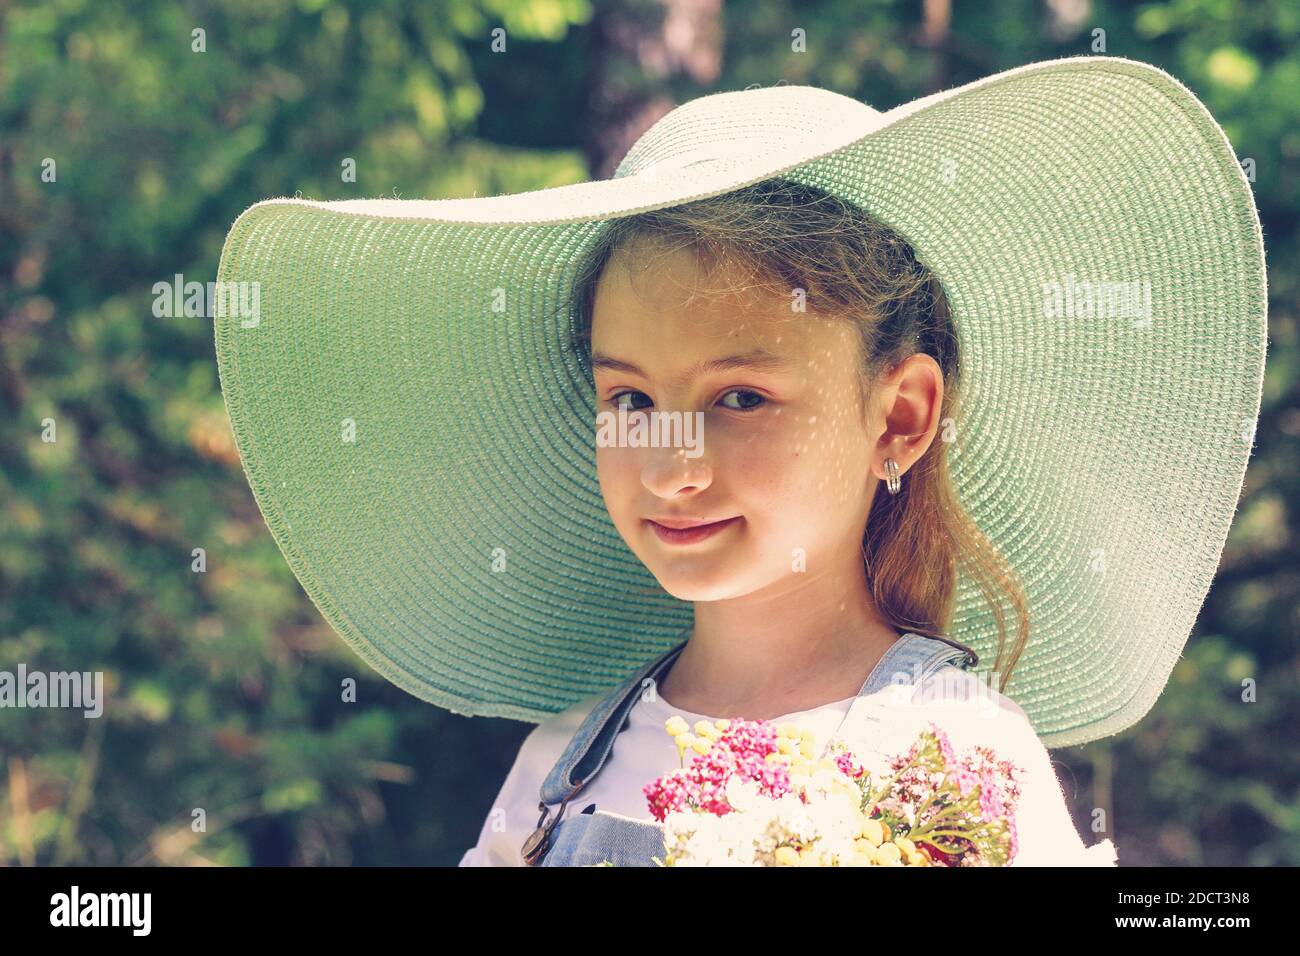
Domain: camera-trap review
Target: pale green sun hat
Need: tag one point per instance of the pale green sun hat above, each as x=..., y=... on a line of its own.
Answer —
x=459, y=542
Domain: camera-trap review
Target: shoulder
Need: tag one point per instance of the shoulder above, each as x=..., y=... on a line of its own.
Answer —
x=513, y=813
x=545, y=744
x=974, y=714
x=956, y=684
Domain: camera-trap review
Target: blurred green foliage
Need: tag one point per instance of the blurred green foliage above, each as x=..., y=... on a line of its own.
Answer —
x=225, y=684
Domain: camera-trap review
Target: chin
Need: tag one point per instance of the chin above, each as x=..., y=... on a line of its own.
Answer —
x=703, y=585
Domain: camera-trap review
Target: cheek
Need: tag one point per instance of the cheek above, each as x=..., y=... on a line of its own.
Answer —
x=617, y=472
x=764, y=472
x=795, y=467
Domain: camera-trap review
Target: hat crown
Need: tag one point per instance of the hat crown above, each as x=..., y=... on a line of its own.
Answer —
x=739, y=125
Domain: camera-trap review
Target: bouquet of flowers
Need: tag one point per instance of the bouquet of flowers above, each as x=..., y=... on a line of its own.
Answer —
x=758, y=794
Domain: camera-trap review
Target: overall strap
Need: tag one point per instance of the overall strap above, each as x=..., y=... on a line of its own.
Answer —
x=912, y=658
x=587, y=751
x=594, y=738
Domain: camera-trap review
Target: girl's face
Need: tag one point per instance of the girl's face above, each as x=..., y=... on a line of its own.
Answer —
x=785, y=450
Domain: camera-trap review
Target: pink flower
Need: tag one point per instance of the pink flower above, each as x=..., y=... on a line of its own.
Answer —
x=740, y=751
x=965, y=779
x=945, y=745
x=849, y=765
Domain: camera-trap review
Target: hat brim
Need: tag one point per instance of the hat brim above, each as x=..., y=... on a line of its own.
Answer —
x=460, y=544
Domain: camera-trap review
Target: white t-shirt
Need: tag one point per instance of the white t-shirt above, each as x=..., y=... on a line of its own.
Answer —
x=644, y=750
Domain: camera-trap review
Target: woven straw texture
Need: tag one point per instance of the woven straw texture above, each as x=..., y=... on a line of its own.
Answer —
x=460, y=543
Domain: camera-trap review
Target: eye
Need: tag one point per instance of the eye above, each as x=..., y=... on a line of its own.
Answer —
x=755, y=399
x=614, y=399
x=752, y=394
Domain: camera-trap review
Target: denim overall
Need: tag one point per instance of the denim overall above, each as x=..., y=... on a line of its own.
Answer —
x=592, y=837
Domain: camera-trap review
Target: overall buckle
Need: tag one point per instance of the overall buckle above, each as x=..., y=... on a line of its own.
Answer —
x=539, y=841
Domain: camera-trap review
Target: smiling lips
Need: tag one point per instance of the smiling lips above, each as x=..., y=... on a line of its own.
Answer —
x=687, y=530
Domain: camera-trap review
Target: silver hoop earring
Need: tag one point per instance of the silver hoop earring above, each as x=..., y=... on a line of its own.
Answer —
x=892, y=481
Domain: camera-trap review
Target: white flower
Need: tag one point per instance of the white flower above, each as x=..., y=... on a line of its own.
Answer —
x=743, y=794
x=749, y=835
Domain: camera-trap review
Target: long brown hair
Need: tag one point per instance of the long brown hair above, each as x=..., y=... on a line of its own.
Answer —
x=785, y=236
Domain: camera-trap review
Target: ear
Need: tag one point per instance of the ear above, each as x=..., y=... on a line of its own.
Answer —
x=911, y=397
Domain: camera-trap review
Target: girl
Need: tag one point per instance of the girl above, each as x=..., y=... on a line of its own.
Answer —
x=971, y=368
x=822, y=356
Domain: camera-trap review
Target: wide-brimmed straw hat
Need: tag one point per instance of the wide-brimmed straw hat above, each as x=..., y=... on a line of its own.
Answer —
x=419, y=431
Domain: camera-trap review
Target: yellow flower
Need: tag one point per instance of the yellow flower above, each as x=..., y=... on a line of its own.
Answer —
x=786, y=856
x=706, y=729
x=860, y=858
x=911, y=855
x=702, y=745
x=889, y=852
x=864, y=849
x=676, y=725
x=874, y=831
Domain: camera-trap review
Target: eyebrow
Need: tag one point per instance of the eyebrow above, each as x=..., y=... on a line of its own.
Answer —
x=757, y=359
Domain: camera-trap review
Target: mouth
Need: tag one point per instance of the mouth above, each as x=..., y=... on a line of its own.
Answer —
x=692, y=532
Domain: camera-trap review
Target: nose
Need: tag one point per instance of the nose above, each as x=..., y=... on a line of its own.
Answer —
x=669, y=472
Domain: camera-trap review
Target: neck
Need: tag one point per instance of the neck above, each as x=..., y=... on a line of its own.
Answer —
x=770, y=654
